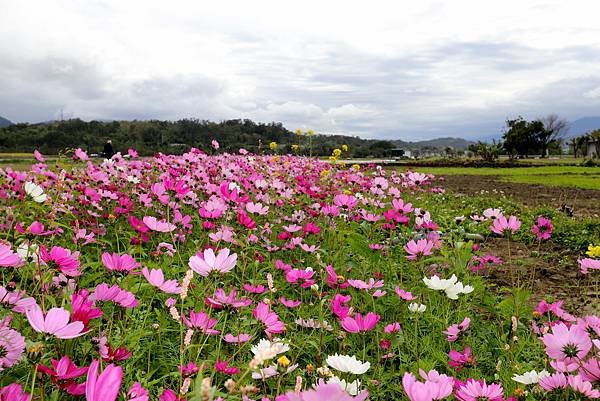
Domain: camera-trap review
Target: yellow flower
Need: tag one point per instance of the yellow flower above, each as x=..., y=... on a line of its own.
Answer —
x=593, y=251
x=298, y=131
x=337, y=152
x=356, y=167
x=310, y=132
x=324, y=173
x=295, y=148
x=332, y=159
x=273, y=145
x=283, y=361
x=345, y=147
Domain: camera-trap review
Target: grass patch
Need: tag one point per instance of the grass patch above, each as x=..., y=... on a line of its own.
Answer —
x=559, y=176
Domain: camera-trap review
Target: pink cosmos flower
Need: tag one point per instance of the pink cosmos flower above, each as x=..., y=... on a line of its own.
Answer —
x=567, y=342
x=14, y=299
x=436, y=388
x=63, y=259
x=201, y=320
x=241, y=338
x=289, y=302
x=553, y=382
x=339, y=305
x=206, y=262
x=137, y=393
x=63, y=373
x=80, y=155
x=82, y=308
x=223, y=367
x=359, y=324
x=115, y=294
x=405, y=295
x=583, y=387
x=161, y=226
x=459, y=360
x=56, y=322
x=502, y=225
x=542, y=229
x=8, y=258
x=418, y=248
x=454, y=331
x=255, y=289
x=322, y=392
x=477, y=390
x=121, y=263
x=392, y=328
x=38, y=156
x=300, y=276
x=333, y=280
x=14, y=392
x=586, y=264
x=221, y=300
x=103, y=387
x=157, y=279
x=270, y=319
x=12, y=345
x=344, y=201
x=361, y=285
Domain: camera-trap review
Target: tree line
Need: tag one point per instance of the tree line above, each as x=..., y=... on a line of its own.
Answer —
x=150, y=137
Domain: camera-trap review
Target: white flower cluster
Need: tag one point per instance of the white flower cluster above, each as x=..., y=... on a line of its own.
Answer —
x=451, y=286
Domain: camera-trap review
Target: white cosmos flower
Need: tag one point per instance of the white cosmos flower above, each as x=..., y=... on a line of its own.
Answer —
x=347, y=364
x=452, y=287
x=276, y=346
x=36, y=192
x=351, y=388
x=531, y=377
x=27, y=250
x=417, y=308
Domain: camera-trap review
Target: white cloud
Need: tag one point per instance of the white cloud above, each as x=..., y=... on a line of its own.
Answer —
x=378, y=69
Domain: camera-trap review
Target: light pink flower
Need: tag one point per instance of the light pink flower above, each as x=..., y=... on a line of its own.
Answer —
x=157, y=279
x=477, y=390
x=161, y=226
x=201, y=320
x=567, y=342
x=270, y=319
x=241, y=338
x=56, y=322
x=221, y=300
x=405, y=295
x=115, y=294
x=206, y=262
x=502, y=225
x=418, y=248
x=586, y=264
x=8, y=258
x=454, y=331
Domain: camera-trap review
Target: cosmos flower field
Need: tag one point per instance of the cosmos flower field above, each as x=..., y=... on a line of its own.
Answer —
x=246, y=277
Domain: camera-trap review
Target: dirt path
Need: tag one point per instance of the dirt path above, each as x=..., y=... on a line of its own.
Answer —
x=585, y=202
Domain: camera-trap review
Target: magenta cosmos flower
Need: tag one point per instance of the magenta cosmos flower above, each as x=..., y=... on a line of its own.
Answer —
x=13, y=392
x=8, y=258
x=202, y=321
x=358, y=323
x=103, y=387
x=567, y=342
x=56, y=322
x=542, y=229
x=63, y=373
x=418, y=248
x=331, y=391
x=206, y=262
x=62, y=259
x=502, y=225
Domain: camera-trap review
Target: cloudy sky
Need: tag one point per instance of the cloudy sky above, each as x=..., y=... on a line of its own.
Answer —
x=382, y=69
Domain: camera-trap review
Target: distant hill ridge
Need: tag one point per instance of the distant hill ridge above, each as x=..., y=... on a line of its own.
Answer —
x=5, y=122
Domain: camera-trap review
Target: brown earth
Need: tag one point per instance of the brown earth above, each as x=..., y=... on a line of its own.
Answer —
x=584, y=202
x=548, y=271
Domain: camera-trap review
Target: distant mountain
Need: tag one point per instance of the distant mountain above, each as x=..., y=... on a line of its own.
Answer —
x=438, y=143
x=4, y=122
x=582, y=126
